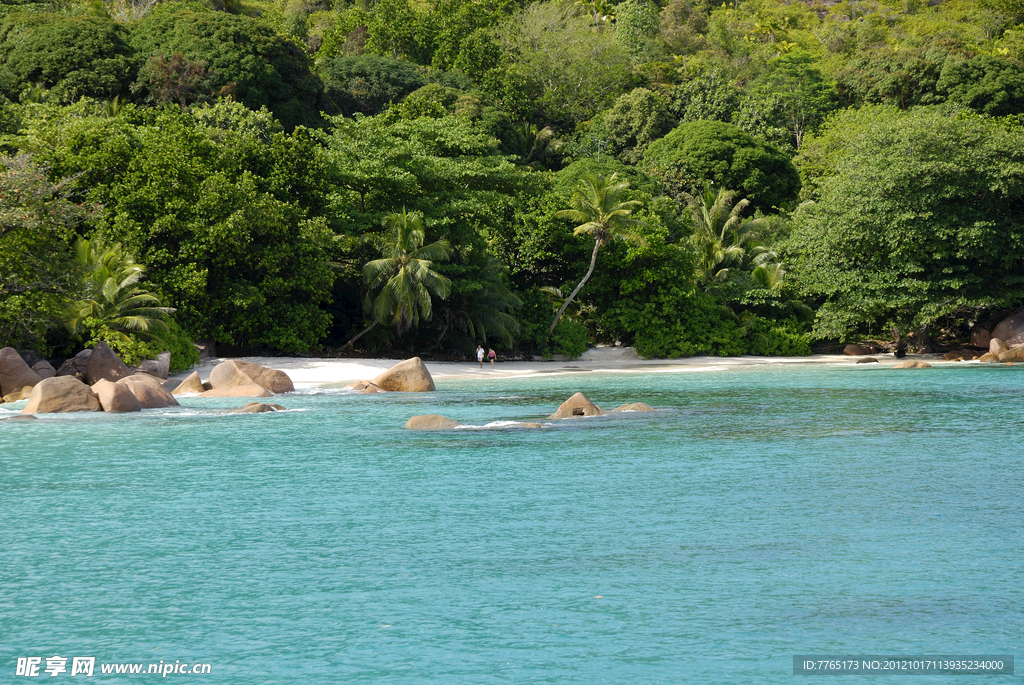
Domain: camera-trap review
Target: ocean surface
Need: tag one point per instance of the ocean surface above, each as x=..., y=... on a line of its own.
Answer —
x=760, y=512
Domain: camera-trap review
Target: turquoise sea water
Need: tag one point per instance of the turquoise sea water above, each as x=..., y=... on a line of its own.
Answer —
x=761, y=512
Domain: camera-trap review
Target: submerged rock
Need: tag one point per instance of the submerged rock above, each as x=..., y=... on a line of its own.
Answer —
x=15, y=374
x=115, y=397
x=431, y=422
x=633, y=406
x=364, y=387
x=912, y=365
x=408, y=376
x=256, y=408
x=61, y=394
x=20, y=417
x=577, y=405
x=190, y=386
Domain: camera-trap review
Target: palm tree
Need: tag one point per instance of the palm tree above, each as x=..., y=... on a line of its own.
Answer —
x=480, y=308
x=403, y=275
x=601, y=214
x=112, y=296
x=722, y=238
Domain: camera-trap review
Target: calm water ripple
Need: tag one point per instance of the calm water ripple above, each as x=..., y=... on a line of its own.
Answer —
x=758, y=513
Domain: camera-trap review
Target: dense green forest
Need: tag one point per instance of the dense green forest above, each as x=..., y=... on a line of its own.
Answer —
x=322, y=176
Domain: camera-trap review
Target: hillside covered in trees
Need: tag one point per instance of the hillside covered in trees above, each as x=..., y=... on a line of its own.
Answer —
x=295, y=176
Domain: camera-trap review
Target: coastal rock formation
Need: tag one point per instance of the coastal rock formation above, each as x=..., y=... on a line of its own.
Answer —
x=104, y=364
x=867, y=360
x=61, y=394
x=856, y=350
x=634, y=407
x=1011, y=329
x=996, y=346
x=159, y=367
x=431, y=422
x=19, y=395
x=960, y=355
x=15, y=374
x=364, y=387
x=912, y=365
x=190, y=386
x=577, y=405
x=115, y=397
x=256, y=408
x=249, y=390
x=981, y=337
x=76, y=365
x=44, y=369
x=408, y=376
x=148, y=391
x=989, y=358
x=235, y=373
x=1013, y=355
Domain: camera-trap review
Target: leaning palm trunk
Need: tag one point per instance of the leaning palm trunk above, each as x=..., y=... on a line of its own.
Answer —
x=360, y=334
x=561, y=310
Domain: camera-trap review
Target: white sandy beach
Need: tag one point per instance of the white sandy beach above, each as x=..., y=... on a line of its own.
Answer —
x=307, y=372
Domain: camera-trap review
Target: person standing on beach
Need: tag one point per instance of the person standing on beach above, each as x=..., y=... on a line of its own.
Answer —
x=491, y=356
x=480, y=355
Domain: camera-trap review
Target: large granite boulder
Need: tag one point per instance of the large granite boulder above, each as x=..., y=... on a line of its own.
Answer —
x=912, y=365
x=115, y=397
x=190, y=386
x=1014, y=355
x=431, y=422
x=577, y=405
x=856, y=350
x=18, y=395
x=981, y=337
x=988, y=358
x=633, y=406
x=104, y=364
x=408, y=376
x=159, y=367
x=61, y=394
x=76, y=365
x=996, y=346
x=233, y=372
x=250, y=390
x=256, y=408
x=1011, y=329
x=44, y=369
x=15, y=374
x=148, y=391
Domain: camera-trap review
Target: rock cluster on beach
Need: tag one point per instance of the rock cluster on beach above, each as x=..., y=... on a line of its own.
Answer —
x=97, y=380
x=410, y=375
x=576, y=406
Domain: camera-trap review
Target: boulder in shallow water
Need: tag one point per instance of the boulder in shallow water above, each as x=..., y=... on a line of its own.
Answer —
x=61, y=394
x=577, y=405
x=44, y=369
x=15, y=374
x=115, y=397
x=18, y=396
x=408, y=376
x=20, y=417
x=250, y=390
x=1013, y=355
x=431, y=422
x=989, y=358
x=149, y=392
x=104, y=364
x=233, y=372
x=633, y=406
x=364, y=387
x=190, y=386
x=912, y=365
x=256, y=408
x=159, y=367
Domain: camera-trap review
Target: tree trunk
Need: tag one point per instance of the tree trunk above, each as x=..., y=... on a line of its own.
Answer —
x=361, y=334
x=593, y=261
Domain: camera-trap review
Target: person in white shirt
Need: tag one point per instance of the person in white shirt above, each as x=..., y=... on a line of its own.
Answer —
x=480, y=355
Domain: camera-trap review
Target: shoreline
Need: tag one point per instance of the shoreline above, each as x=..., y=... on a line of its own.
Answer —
x=311, y=372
